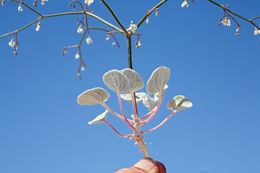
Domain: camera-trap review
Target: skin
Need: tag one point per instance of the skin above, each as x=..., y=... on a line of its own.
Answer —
x=146, y=165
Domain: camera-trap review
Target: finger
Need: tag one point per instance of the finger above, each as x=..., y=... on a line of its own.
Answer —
x=146, y=165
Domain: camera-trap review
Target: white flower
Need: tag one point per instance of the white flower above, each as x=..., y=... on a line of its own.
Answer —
x=226, y=21
x=89, y=40
x=257, y=31
x=43, y=2
x=89, y=2
x=80, y=29
x=237, y=31
x=3, y=3
x=77, y=55
x=108, y=37
x=12, y=43
x=38, y=27
x=114, y=43
x=157, y=13
x=132, y=27
x=20, y=8
x=147, y=20
x=139, y=43
x=185, y=3
x=82, y=68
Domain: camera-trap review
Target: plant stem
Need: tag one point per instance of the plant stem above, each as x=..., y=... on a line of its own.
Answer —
x=129, y=45
x=241, y=17
x=63, y=14
x=115, y=17
x=150, y=11
x=142, y=144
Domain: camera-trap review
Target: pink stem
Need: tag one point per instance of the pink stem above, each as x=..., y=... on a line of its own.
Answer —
x=149, y=113
x=113, y=112
x=125, y=136
x=154, y=112
x=122, y=111
x=159, y=125
x=134, y=105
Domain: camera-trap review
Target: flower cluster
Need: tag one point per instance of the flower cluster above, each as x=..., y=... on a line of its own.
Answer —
x=125, y=83
x=256, y=31
x=226, y=21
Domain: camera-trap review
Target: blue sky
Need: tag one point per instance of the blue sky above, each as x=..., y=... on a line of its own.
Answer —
x=43, y=129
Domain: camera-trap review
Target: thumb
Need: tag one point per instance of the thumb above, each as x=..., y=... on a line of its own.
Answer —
x=146, y=165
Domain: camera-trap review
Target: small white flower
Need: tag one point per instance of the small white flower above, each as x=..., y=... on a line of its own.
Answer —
x=80, y=29
x=20, y=8
x=237, y=31
x=3, y=3
x=185, y=3
x=38, y=27
x=82, y=68
x=43, y=2
x=89, y=40
x=147, y=20
x=108, y=37
x=89, y=2
x=157, y=13
x=114, y=43
x=77, y=55
x=12, y=43
x=132, y=27
x=139, y=43
x=257, y=31
x=226, y=21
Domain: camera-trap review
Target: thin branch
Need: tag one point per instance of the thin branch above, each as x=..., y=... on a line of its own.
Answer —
x=27, y=7
x=241, y=17
x=258, y=17
x=125, y=136
x=63, y=14
x=122, y=111
x=113, y=112
x=150, y=11
x=154, y=112
x=159, y=125
x=115, y=17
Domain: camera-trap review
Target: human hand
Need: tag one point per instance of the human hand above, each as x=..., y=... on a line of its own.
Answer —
x=146, y=165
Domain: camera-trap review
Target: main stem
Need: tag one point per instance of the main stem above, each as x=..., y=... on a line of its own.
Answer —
x=129, y=45
x=130, y=65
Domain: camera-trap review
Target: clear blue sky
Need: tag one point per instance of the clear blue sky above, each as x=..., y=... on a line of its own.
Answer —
x=44, y=130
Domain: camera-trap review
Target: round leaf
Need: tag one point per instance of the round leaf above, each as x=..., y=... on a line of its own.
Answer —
x=116, y=81
x=93, y=96
x=158, y=80
x=149, y=102
x=135, y=81
x=139, y=97
x=179, y=103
